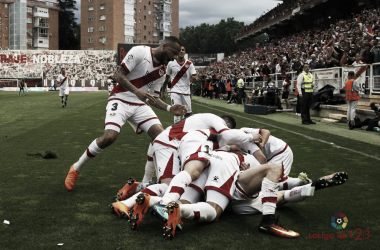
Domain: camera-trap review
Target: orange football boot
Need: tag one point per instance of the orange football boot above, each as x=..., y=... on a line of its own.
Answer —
x=129, y=189
x=272, y=226
x=174, y=212
x=71, y=178
x=120, y=209
x=139, y=210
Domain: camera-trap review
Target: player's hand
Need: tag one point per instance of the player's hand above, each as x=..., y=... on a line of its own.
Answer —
x=163, y=97
x=244, y=166
x=145, y=97
x=300, y=95
x=256, y=138
x=178, y=109
x=260, y=145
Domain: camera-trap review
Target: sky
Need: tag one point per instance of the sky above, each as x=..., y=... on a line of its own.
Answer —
x=195, y=12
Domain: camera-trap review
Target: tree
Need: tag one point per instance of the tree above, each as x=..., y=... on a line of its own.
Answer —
x=207, y=38
x=67, y=26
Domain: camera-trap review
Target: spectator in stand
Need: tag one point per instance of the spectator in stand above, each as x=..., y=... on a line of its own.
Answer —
x=352, y=96
x=229, y=89
x=285, y=92
x=313, y=62
x=376, y=56
x=211, y=88
x=205, y=87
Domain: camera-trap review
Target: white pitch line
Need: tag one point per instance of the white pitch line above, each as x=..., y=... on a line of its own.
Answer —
x=290, y=131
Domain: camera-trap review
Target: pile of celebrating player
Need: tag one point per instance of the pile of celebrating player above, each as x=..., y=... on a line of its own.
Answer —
x=203, y=164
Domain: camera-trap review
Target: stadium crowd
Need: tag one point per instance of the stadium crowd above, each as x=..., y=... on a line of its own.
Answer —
x=349, y=41
x=280, y=10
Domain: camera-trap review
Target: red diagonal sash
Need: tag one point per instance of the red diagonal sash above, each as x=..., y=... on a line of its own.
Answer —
x=180, y=73
x=63, y=81
x=151, y=77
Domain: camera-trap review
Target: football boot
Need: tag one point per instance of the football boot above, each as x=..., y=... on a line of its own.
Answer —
x=120, y=209
x=139, y=210
x=128, y=190
x=174, y=212
x=332, y=180
x=71, y=178
x=270, y=225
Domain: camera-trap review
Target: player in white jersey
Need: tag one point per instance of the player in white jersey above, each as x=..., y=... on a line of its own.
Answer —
x=192, y=132
x=182, y=73
x=219, y=183
x=63, y=82
x=141, y=71
x=276, y=151
x=110, y=84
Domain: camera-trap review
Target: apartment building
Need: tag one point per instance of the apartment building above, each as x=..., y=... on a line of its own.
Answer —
x=105, y=23
x=29, y=25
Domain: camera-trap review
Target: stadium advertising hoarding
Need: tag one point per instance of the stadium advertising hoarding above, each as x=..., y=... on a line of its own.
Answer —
x=202, y=59
x=86, y=68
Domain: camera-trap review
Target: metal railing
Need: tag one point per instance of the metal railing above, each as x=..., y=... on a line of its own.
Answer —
x=369, y=80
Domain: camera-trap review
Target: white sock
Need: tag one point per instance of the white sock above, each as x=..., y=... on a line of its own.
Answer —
x=131, y=201
x=177, y=187
x=295, y=195
x=200, y=211
x=92, y=151
x=177, y=118
x=149, y=169
x=269, y=190
x=153, y=191
x=156, y=189
x=289, y=183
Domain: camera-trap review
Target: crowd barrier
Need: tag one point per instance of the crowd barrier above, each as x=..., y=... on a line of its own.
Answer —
x=369, y=80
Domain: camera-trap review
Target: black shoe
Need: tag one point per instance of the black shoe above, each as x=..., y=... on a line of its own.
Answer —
x=305, y=123
x=332, y=180
x=311, y=122
x=350, y=126
x=270, y=225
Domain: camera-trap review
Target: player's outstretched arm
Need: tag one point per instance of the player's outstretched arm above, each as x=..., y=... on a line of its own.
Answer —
x=175, y=109
x=264, y=137
x=167, y=80
x=120, y=77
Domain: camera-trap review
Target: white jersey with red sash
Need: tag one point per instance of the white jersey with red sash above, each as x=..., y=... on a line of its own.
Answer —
x=180, y=74
x=144, y=73
x=64, y=79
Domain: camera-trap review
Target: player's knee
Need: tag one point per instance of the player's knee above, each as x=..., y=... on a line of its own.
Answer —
x=155, y=130
x=107, y=139
x=275, y=168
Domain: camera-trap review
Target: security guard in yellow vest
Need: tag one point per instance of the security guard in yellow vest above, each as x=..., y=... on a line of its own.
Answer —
x=306, y=85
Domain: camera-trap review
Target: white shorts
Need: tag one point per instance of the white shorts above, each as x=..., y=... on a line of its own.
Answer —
x=141, y=118
x=191, y=144
x=63, y=91
x=167, y=163
x=241, y=204
x=183, y=100
x=220, y=175
x=285, y=159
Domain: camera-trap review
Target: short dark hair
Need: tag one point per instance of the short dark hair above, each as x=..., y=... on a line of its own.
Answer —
x=351, y=73
x=229, y=119
x=173, y=39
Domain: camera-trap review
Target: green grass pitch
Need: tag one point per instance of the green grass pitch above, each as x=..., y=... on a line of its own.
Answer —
x=42, y=213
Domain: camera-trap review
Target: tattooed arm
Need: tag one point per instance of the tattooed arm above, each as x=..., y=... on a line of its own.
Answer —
x=121, y=78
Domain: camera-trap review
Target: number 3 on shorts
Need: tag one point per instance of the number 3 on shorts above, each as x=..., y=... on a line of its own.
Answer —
x=114, y=106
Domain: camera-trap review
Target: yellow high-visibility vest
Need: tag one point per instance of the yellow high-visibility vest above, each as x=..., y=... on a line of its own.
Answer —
x=307, y=81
